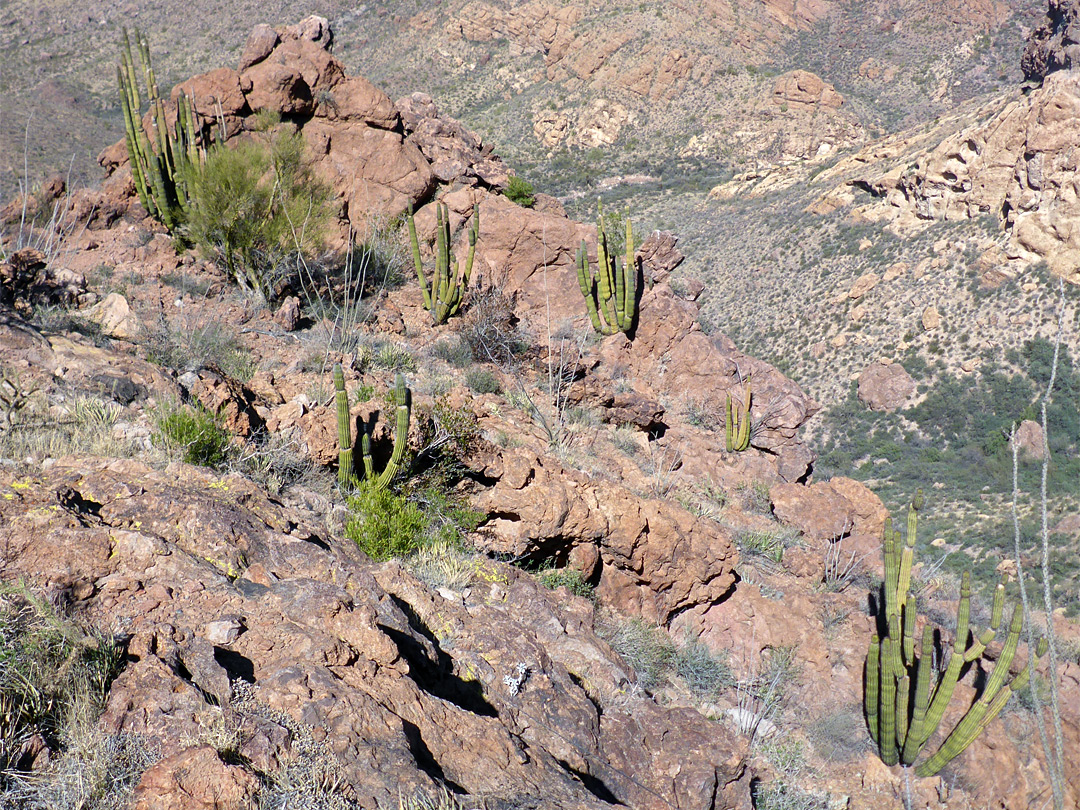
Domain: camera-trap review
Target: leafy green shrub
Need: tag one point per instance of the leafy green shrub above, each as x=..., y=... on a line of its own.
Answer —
x=193, y=433
x=385, y=524
x=570, y=578
x=256, y=205
x=482, y=381
x=520, y=191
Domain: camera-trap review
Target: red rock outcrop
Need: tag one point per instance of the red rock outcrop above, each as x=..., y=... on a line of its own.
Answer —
x=238, y=614
x=352, y=129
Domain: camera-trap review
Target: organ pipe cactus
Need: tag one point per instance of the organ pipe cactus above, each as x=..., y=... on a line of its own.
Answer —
x=737, y=423
x=159, y=167
x=611, y=294
x=346, y=469
x=448, y=283
x=906, y=695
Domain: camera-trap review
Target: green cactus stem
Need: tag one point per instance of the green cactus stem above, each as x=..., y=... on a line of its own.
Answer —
x=737, y=422
x=346, y=473
x=905, y=696
x=346, y=470
x=160, y=166
x=444, y=296
x=611, y=293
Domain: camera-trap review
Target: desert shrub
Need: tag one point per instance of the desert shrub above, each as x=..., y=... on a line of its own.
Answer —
x=190, y=432
x=645, y=648
x=455, y=428
x=520, y=191
x=767, y=544
x=443, y=565
x=453, y=350
x=489, y=328
x=385, y=524
x=257, y=206
x=482, y=381
x=705, y=673
x=570, y=578
x=53, y=674
x=196, y=346
x=391, y=356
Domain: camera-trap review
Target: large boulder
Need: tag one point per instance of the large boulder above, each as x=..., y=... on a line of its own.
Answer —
x=885, y=387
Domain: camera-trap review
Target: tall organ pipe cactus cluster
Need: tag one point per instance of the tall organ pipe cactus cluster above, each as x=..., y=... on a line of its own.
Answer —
x=906, y=694
x=159, y=167
x=442, y=298
x=346, y=468
x=611, y=294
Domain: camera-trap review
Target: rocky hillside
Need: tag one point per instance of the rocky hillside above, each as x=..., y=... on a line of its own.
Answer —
x=576, y=593
x=622, y=88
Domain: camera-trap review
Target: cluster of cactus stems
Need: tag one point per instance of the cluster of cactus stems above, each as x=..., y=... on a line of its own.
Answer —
x=737, y=422
x=346, y=470
x=611, y=294
x=906, y=694
x=444, y=295
x=159, y=167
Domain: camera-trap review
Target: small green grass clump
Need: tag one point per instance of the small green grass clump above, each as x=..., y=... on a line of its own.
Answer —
x=192, y=433
x=570, y=578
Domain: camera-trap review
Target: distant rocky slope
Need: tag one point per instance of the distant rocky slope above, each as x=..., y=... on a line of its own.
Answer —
x=655, y=88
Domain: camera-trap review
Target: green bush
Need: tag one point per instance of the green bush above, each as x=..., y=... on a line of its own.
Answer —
x=384, y=524
x=191, y=432
x=52, y=675
x=257, y=206
x=520, y=191
x=482, y=381
x=570, y=578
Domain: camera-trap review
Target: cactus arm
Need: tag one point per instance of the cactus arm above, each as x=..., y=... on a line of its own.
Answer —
x=605, y=282
x=588, y=287
x=474, y=234
x=986, y=708
x=887, y=708
x=365, y=453
x=872, y=694
x=743, y=438
x=415, y=244
x=129, y=138
x=914, y=739
x=346, y=475
x=401, y=434
x=629, y=304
